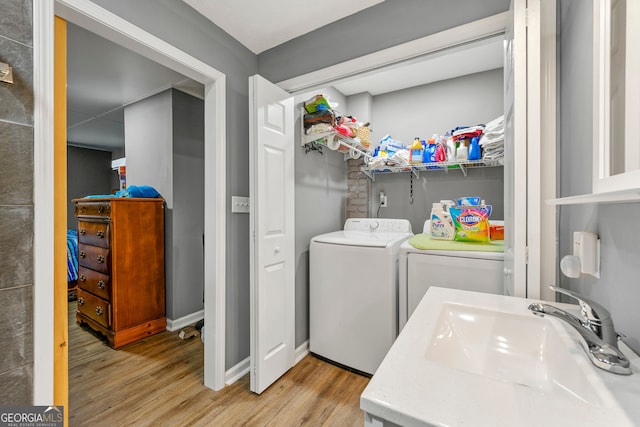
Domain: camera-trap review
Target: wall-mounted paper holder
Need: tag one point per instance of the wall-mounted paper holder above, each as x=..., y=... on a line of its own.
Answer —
x=6, y=73
x=585, y=258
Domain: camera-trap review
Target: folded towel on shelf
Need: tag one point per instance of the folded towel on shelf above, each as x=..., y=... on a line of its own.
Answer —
x=492, y=139
x=467, y=132
x=497, y=123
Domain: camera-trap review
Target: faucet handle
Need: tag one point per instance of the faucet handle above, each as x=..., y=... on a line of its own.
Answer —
x=591, y=310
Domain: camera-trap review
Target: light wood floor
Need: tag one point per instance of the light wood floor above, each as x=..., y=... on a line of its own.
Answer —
x=158, y=382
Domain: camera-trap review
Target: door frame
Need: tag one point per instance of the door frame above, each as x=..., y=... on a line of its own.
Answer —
x=537, y=245
x=106, y=24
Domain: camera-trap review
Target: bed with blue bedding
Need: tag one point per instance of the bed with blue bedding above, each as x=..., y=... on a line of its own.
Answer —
x=72, y=263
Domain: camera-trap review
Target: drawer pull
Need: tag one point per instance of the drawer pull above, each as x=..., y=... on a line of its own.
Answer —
x=100, y=259
x=100, y=209
x=82, y=209
x=83, y=231
x=99, y=311
x=80, y=301
x=82, y=278
x=83, y=254
x=101, y=284
x=100, y=234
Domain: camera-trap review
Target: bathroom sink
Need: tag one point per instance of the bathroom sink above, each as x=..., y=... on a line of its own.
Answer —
x=522, y=349
x=468, y=358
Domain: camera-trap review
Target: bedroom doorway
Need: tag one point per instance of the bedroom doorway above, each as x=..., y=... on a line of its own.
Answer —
x=51, y=384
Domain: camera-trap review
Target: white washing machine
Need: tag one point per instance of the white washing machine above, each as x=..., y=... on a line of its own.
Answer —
x=353, y=291
x=466, y=270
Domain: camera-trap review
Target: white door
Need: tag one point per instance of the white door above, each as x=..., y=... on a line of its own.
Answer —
x=515, y=164
x=530, y=162
x=271, y=166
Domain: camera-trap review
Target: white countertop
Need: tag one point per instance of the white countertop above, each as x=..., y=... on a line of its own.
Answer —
x=410, y=390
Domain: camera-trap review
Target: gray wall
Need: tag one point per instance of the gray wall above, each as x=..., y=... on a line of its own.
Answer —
x=88, y=172
x=615, y=224
x=438, y=107
x=423, y=111
x=188, y=203
x=384, y=25
x=164, y=137
x=16, y=205
x=148, y=133
x=432, y=187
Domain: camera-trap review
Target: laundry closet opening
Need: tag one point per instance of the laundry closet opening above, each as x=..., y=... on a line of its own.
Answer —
x=434, y=94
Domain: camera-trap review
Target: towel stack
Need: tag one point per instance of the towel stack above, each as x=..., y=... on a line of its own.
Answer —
x=492, y=140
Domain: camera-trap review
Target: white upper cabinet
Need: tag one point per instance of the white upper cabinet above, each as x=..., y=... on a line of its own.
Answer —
x=616, y=70
x=616, y=104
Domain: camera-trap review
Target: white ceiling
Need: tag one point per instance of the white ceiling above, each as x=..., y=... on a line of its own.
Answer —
x=103, y=78
x=470, y=58
x=261, y=25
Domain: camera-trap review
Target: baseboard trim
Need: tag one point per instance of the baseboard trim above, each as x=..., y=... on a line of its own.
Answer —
x=242, y=368
x=302, y=351
x=189, y=319
x=237, y=372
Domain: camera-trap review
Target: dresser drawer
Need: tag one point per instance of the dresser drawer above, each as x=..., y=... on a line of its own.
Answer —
x=97, y=283
x=94, y=233
x=94, y=257
x=96, y=209
x=95, y=308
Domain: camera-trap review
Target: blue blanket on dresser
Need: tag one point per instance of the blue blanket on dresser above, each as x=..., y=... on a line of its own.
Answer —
x=72, y=255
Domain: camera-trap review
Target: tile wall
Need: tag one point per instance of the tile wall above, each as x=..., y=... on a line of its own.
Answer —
x=16, y=204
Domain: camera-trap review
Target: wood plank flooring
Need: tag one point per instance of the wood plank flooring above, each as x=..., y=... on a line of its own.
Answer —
x=158, y=382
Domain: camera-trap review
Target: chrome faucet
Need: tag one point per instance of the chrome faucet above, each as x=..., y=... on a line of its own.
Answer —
x=596, y=328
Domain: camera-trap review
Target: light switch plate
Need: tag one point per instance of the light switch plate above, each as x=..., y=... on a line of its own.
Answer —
x=239, y=204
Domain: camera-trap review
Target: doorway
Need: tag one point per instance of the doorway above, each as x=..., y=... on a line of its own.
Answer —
x=113, y=96
x=111, y=27
x=530, y=193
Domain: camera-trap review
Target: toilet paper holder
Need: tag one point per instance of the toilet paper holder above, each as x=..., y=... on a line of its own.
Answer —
x=585, y=258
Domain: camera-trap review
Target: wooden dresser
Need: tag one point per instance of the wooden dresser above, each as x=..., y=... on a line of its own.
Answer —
x=121, y=267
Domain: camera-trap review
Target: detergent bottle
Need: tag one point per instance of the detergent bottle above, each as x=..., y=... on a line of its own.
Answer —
x=430, y=151
x=451, y=149
x=416, y=151
x=462, y=153
x=441, y=152
x=441, y=224
x=474, y=148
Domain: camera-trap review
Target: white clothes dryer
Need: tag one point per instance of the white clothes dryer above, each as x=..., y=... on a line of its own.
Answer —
x=466, y=270
x=353, y=291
